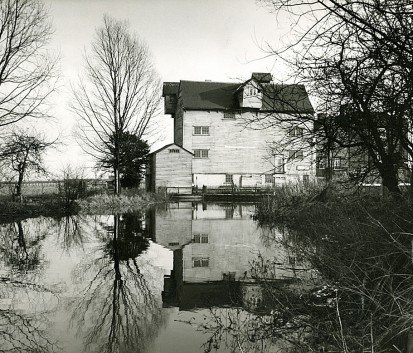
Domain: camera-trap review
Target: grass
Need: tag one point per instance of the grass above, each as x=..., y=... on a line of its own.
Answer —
x=48, y=206
x=115, y=204
x=361, y=245
x=53, y=205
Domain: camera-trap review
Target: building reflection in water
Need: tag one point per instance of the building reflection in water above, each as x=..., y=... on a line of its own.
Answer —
x=215, y=248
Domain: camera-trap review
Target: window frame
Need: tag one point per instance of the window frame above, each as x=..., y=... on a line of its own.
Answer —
x=295, y=155
x=200, y=130
x=251, y=91
x=199, y=262
x=202, y=154
x=227, y=176
x=294, y=132
x=279, y=168
x=338, y=166
x=200, y=238
x=229, y=115
x=267, y=177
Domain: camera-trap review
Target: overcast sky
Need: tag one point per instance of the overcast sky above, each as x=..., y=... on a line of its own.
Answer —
x=192, y=40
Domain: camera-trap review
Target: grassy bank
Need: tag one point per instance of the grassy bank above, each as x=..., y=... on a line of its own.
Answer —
x=361, y=246
x=115, y=204
x=55, y=206
x=47, y=206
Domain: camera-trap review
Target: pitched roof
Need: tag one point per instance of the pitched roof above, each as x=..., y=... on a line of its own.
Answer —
x=208, y=95
x=169, y=145
x=205, y=95
x=286, y=99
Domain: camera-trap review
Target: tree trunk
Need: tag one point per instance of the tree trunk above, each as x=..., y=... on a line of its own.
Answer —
x=117, y=183
x=18, y=190
x=411, y=184
x=390, y=180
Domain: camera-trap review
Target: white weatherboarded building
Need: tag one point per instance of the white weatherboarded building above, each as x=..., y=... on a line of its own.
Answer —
x=210, y=122
x=170, y=168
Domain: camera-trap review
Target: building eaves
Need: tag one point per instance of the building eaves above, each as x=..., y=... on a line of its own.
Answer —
x=169, y=145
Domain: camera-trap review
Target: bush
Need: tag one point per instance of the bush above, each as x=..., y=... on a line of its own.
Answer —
x=114, y=204
x=361, y=247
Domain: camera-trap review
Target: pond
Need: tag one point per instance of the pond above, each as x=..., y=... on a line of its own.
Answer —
x=185, y=277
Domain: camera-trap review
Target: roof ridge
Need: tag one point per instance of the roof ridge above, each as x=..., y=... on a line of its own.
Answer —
x=229, y=83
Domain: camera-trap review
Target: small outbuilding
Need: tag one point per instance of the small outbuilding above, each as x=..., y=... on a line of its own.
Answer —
x=170, y=170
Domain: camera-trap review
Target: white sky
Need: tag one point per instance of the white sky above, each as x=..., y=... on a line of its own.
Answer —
x=220, y=40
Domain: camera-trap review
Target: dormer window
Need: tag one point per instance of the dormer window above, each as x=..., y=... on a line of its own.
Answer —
x=250, y=96
x=251, y=91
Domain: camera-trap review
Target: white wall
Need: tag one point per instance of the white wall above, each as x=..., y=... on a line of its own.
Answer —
x=235, y=149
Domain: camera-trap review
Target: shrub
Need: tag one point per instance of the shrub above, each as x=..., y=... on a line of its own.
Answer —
x=114, y=204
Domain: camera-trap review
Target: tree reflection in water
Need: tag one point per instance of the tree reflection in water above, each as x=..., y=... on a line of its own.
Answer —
x=23, y=322
x=361, y=299
x=71, y=231
x=21, y=248
x=117, y=311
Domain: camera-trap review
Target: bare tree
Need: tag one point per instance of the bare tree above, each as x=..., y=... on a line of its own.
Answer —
x=27, y=72
x=121, y=95
x=356, y=59
x=22, y=153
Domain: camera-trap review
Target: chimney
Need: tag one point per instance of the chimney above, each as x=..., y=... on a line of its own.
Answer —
x=262, y=77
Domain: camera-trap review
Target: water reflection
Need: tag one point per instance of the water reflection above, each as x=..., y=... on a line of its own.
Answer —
x=183, y=278
x=224, y=262
x=71, y=231
x=216, y=249
x=21, y=249
x=116, y=309
x=24, y=320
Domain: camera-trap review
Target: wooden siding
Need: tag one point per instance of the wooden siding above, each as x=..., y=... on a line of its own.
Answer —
x=234, y=149
x=173, y=169
x=173, y=227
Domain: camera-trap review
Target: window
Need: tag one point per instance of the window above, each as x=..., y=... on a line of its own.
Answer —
x=201, y=153
x=173, y=244
x=200, y=261
x=321, y=162
x=197, y=130
x=201, y=238
x=279, y=164
x=306, y=179
x=268, y=178
x=296, y=131
x=201, y=130
x=230, y=276
x=229, y=115
x=250, y=91
x=229, y=213
x=174, y=150
x=228, y=178
x=295, y=155
x=337, y=163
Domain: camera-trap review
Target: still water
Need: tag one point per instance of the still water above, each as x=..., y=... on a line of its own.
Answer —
x=181, y=278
